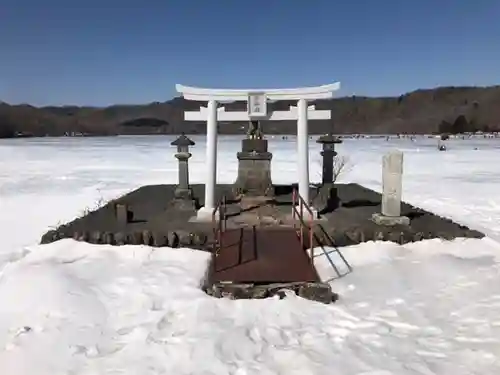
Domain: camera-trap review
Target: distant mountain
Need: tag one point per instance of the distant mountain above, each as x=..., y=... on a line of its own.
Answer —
x=444, y=109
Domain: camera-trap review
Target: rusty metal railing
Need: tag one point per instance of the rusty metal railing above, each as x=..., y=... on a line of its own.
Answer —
x=331, y=243
x=219, y=226
x=309, y=225
x=299, y=214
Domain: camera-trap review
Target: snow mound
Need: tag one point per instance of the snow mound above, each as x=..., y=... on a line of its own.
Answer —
x=63, y=303
x=425, y=308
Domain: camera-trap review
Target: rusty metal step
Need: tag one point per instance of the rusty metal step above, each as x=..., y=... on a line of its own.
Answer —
x=262, y=255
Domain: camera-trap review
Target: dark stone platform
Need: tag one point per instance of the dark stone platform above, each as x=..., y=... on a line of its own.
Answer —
x=346, y=216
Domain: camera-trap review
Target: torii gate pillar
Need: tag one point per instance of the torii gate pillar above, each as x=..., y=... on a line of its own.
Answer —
x=211, y=179
x=303, y=149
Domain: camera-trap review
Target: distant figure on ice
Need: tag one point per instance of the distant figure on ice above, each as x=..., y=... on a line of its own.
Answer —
x=441, y=146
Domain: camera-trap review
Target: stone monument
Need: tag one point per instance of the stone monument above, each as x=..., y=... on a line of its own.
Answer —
x=392, y=186
x=183, y=193
x=254, y=165
x=328, y=153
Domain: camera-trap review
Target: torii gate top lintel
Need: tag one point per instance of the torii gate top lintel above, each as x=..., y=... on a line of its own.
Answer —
x=228, y=95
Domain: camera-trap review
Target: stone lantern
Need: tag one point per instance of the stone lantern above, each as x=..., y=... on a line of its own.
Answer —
x=183, y=191
x=328, y=153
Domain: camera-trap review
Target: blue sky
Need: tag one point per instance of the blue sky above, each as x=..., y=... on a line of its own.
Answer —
x=102, y=52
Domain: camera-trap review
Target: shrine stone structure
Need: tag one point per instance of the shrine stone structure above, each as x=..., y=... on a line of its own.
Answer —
x=259, y=242
x=183, y=193
x=328, y=154
x=254, y=169
x=254, y=173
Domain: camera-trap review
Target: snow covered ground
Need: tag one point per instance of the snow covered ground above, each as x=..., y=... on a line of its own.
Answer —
x=74, y=308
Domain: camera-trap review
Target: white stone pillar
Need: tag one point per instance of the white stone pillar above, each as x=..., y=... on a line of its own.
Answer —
x=303, y=149
x=205, y=212
x=392, y=188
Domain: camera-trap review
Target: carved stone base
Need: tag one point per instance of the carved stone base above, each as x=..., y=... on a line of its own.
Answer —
x=254, y=174
x=380, y=219
x=184, y=204
x=257, y=145
x=204, y=214
x=320, y=292
x=181, y=193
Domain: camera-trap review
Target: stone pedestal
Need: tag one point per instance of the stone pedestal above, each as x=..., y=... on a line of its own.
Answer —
x=392, y=181
x=251, y=145
x=123, y=214
x=183, y=191
x=204, y=214
x=254, y=169
x=185, y=204
x=381, y=219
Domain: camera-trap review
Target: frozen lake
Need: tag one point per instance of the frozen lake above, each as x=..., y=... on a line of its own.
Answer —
x=425, y=308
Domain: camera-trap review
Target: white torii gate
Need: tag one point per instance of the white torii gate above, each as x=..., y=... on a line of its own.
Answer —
x=256, y=109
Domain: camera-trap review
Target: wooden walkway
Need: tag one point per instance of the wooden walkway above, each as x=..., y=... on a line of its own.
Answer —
x=262, y=255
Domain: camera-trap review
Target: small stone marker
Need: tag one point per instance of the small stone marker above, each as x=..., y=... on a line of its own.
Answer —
x=122, y=215
x=392, y=186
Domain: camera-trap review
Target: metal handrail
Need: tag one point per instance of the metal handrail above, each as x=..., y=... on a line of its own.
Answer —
x=332, y=244
x=300, y=214
x=296, y=196
x=220, y=228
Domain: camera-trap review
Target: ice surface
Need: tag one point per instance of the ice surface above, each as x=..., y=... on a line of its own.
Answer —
x=72, y=308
